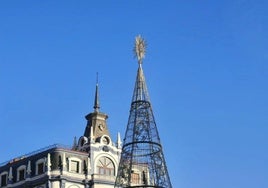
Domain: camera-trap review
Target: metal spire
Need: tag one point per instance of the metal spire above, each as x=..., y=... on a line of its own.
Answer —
x=142, y=162
x=140, y=90
x=96, y=101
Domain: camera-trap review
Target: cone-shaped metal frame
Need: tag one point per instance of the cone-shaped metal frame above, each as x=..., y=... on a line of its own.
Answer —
x=142, y=162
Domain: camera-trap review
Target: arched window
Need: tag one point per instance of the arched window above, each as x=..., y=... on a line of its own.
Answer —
x=40, y=166
x=105, y=166
x=3, y=179
x=73, y=186
x=21, y=173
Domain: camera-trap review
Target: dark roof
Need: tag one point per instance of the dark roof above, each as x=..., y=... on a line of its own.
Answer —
x=39, y=151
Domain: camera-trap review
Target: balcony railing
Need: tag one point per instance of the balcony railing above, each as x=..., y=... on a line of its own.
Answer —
x=35, y=152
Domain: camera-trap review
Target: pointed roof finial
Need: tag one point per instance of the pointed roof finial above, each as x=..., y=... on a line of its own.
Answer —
x=139, y=48
x=119, y=142
x=29, y=168
x=74, y=144
x=10, y=175
x=96, y=101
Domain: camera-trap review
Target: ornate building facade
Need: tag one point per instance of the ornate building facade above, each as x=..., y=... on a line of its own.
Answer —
x=92, y=162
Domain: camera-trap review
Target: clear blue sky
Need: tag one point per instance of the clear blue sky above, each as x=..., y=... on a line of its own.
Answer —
x=206, y=70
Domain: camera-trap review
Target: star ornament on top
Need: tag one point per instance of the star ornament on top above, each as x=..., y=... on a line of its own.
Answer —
x=139, y=48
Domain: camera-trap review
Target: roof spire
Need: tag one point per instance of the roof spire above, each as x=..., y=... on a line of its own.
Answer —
x=119, y=142
x=96, y=101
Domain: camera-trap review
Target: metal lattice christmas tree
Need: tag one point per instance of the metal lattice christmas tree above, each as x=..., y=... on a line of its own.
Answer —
x=142, y=162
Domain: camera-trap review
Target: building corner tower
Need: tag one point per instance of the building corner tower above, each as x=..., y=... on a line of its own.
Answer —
x=142, y=162
x=103, y=153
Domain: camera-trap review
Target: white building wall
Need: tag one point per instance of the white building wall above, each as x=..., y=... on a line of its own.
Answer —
x=55, y=184
x=103, y=186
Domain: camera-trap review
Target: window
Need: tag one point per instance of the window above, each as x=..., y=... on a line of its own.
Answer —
x=135, y=178
x=21, y=174
x=40, y=166
x=74, y=166
x=105, y=166
x=3, y=180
